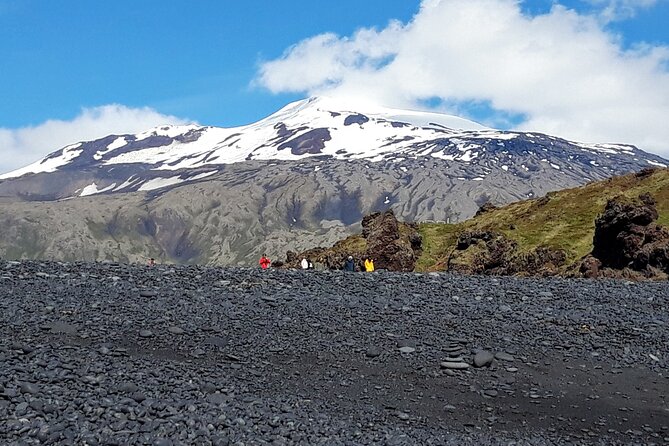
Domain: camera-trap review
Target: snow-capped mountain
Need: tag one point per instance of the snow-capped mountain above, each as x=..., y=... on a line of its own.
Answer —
x=302, y=176
x=321, y=127
x=317, y=126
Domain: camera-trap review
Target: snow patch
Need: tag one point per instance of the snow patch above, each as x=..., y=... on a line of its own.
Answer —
x=443, y=156
x=92, y=189
x=116, y=144
x=170, y=131
x=127, y=183
x=608, y=148
x=468, y=156
x=202, y=175
x=157, y=183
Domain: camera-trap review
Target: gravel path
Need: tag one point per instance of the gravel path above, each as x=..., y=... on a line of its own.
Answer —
x=109, y=354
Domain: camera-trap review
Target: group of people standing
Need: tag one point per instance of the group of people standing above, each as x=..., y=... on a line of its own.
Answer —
x=349, y=264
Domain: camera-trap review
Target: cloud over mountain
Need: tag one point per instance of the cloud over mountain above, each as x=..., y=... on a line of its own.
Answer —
x=25, y=145
x=561, y=72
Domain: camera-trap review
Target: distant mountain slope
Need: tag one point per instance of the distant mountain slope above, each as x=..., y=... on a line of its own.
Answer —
x=301, y=177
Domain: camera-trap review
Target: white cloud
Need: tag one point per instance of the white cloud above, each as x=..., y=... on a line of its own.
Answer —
x=562, y=70
x=19, y=147
x=612, y=10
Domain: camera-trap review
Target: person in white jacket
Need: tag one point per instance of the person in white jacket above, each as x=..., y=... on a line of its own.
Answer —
x=305, y=264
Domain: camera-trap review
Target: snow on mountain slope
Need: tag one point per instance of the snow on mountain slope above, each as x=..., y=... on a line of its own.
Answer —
x=329, y=128
x=306, y=128
x=49, y=164
x=342, y=131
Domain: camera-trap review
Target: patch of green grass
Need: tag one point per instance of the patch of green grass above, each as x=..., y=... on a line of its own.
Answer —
x=438, y=241
x=350, y=245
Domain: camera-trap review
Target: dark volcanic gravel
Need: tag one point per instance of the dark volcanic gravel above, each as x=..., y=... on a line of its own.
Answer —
x=109, y=354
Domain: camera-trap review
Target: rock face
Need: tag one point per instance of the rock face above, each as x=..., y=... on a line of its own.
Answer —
x=492, y=253
x=627, y=241
x=390, y=249
x=394, y=246
x=484, y=208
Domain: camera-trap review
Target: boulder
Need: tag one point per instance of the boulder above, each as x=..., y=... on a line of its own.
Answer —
x=627, y=241
x=483, y=358
x=485, y=208
x=590, y=267
x=620, y=230
x=392, y=245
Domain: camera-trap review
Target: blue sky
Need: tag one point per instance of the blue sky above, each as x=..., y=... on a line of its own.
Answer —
x=75, y=69
x=191, y=61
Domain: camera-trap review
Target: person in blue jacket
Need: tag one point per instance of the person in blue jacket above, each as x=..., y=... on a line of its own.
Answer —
x=350, y=264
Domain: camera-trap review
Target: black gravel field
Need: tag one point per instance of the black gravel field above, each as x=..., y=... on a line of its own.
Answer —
x=113, y=354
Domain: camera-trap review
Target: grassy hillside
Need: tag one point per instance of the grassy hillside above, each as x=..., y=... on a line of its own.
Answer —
x=562, y=220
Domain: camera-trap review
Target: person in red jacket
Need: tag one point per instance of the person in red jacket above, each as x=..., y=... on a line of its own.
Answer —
x=264, y=261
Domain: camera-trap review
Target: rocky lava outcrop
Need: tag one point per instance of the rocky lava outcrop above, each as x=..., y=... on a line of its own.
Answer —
x=492, y=253
x=392, y=245
x=628, y=242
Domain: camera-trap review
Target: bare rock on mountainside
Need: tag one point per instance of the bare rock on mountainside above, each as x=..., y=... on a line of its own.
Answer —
x=485, y=207
x=628, y=242
x=394, y=246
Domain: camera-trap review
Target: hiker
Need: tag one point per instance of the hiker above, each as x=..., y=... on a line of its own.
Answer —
x=152, y=261
x=305, y=264
x=264, y=261
x=350, y=264
x=311, y=265
x=369, y=265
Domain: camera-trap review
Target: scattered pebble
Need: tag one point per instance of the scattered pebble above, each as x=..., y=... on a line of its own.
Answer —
x=284, y=357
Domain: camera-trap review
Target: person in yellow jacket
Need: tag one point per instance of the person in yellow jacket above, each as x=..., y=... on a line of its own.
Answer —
x=369, y=265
